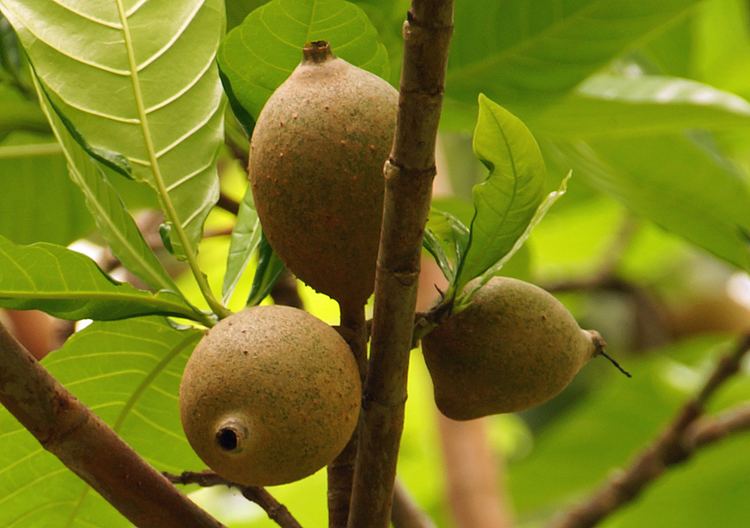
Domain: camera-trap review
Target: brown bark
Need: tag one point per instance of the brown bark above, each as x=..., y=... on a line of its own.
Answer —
x=88, y=447
x=408, y=185
x=676, y=444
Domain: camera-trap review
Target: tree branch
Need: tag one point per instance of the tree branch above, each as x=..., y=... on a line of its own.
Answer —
x=674, y=446
x=409, y=172
x=405, y=512
x=88, y=447
x=276, y=511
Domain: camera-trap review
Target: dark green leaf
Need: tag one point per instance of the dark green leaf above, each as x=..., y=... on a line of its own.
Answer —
x=69, y=285
x=38, y=201
x=237, y=10
x=526, y=54
x=246, y=237
x=259, y=54
x=268, y=271
x=19, y=113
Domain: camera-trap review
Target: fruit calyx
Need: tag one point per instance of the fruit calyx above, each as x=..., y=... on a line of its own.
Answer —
x=317, y=51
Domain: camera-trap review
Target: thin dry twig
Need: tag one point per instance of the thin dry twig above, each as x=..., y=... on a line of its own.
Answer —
x=88, y=447
x=677, y=443
x=409, y=172
x=276, y=511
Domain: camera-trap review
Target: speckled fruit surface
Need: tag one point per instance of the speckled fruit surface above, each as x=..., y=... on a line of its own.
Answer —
x=514, y=347
x=316, y=169
x=269, y=396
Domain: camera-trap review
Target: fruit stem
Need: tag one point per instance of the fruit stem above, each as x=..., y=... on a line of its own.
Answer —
x=600, y=346
x=341, y=471
x=317, y=51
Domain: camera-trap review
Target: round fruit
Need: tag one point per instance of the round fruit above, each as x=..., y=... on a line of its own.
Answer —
x=269, y=396
x=316, y=168
x=514, y=347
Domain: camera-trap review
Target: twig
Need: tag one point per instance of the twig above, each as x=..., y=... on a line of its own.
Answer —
x=709, y=430
x=409, y=172
x=88, y=447
x=341, y=470
x=228, y=203
x=276, y=511
x=285, y=291
x=675, y=445
x=405, y=512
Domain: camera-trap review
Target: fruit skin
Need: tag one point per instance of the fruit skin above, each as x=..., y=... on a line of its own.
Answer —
x=316, y=169
x=514, y=347
x=279, y=383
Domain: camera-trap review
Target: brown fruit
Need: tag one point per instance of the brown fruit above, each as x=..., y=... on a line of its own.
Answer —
x=269, y=396
x=316, y=168
x=514, y=347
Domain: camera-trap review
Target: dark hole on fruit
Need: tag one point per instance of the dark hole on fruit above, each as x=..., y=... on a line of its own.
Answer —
x=227, y=439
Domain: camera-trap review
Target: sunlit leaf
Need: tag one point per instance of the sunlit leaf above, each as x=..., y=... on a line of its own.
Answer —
x=112, y=218
x=69, y=285
x=507, y=200
x=128, y=373
x=137, y=79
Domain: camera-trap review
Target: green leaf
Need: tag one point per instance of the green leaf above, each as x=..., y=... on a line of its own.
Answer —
x=237, y=10
x=140, y=81
x=465, y=296
x=258, y=55
x=507, y=200
x=675, y=181
x=69, y=285
x=246, y=236
x=615, y=106
x=526, y=54
x=268, y=271
x=128, y=373
x=446, y=238
x=112, y=218
x=19, y=113
x=38, y=201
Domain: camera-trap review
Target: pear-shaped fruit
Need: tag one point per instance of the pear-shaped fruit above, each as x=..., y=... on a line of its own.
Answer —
x=269, y=396
x=514, y=347
x=316, y=169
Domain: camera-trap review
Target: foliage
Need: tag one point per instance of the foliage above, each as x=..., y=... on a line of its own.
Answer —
x=110, y=108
